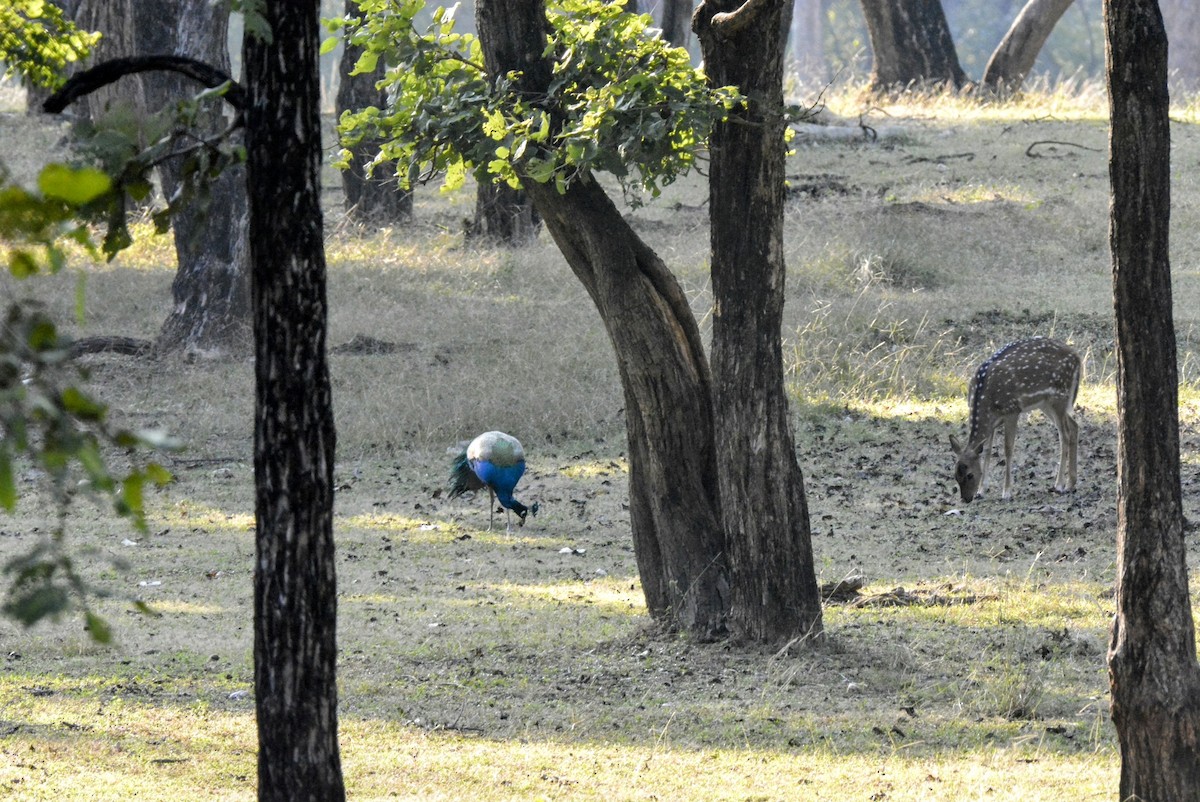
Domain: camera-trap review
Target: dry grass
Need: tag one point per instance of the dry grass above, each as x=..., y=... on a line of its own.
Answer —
x=478, y=665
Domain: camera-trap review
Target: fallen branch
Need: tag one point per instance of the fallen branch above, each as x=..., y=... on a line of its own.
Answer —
x=129, y=346
x=1029, y=150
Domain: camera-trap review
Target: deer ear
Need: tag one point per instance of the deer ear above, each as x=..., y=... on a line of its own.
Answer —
x=954, y=444
x=979, y=449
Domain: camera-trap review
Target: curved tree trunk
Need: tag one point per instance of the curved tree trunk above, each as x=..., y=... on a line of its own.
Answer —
x=1153, y=673
x=376, y=198
x=1013, y=58
x=674, y=510
x=295, y=588
x=912, y=45
x=764, y=508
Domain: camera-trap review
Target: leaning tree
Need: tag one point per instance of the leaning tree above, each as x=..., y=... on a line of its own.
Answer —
x=912, y=45
x=547, y=101
x=1153, y=673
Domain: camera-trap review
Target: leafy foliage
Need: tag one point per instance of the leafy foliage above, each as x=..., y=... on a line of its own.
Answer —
x=48, y=423
x=128, y=146
x=621, y=100
x=37, y=42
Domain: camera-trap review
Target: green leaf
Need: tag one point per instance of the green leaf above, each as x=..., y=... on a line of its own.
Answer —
x=366, y=63
x=8, y=488
x=330, y=45
x=159, y=475
x=82, y=406
x=76, y=187
x=80, y=297
x=21, y=263
x=98, y=628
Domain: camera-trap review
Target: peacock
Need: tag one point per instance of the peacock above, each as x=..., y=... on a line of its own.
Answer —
x=494, y=460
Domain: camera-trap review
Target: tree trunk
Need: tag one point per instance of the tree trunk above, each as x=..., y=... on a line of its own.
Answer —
x=674, y=508
x=677, y=21
x=764, y=508
x=295, y=593
x=210, y=311
x=1182, y=20
x=113, y=18
x=808, y=41
x=912, y=45
x=1018, y=50
x=503, y=215
x=1153, y=673
x=377, y=198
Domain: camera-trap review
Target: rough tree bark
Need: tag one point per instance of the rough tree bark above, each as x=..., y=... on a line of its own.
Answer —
x=764, y=508
x=1153, y=673
x=295, y=588
x=113, y=18
x=674, y=508
x=912, y=45
x=376, y=198
x=210, y=310
x=503, y=215
x=1013, y=58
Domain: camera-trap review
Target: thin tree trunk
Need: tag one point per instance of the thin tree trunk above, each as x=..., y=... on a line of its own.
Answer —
x=1153, y=673
x=808, y=42
x=210, y=310
x=912, y=45
x=377, y=198
x=1014, y=57
x=764, y=508
x=295, y=588
x=674, y=509
x=677, y=21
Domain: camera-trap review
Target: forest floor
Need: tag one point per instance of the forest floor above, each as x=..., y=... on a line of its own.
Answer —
x=482, y=664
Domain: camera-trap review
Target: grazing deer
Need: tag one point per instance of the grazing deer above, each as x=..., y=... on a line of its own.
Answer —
x=1037, y=373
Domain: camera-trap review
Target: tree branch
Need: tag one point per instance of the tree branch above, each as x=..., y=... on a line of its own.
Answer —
x=730, y=23
x=105, y=73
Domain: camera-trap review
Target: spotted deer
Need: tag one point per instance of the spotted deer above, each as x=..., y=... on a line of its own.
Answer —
x=1038, y=373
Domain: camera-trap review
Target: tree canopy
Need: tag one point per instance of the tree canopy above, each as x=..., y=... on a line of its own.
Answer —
x=621, y=100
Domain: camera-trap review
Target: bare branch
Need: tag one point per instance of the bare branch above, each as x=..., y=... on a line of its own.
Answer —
x=107, y=72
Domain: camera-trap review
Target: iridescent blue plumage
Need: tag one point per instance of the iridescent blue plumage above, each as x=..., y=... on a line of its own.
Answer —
x=494, y=460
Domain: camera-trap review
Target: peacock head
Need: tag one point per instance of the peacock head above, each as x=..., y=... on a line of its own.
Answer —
x=521, y=510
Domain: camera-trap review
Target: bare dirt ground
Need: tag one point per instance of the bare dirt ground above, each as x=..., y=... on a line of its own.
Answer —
x=981, y=628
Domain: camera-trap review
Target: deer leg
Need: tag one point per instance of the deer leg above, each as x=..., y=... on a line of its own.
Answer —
x=1068, y=436
x=985, y=459
x=1010, y=437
